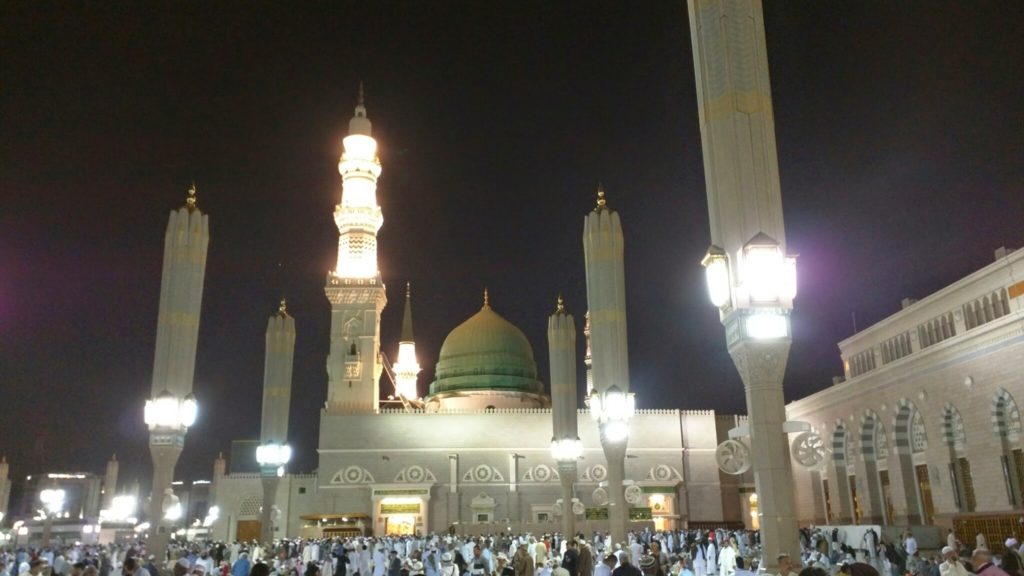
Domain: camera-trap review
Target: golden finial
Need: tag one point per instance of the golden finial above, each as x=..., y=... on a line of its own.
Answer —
x=282, y=309
x=487, y=299
x=560, y=308
x=190, y=202
x=360, y=101
x=602, y=204
x=408, y=290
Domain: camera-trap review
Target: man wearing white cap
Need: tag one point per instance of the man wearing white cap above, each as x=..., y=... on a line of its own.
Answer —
x=951, y=566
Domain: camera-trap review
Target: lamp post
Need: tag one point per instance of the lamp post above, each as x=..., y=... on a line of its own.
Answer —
x=168, y=418
x=272, y=459
x=53, y=505
x=566, y=447
x=172, y=408
x=610, y=401
x=613, y=409
x=751, y=278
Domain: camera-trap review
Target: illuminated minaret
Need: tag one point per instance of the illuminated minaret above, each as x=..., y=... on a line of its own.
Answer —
x=274, y=452
x=407, y=368
x=110, y=483
x=354, y=287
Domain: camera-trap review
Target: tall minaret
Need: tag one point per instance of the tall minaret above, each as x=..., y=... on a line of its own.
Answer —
x=562, y=357
x=110, y=483
x=750, y=278
x=407, y=368
x=354, y=287
x=274, y=452
x=177, y=333
x=606, y=296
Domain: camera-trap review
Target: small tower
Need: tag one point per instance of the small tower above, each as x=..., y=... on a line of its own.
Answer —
x=354, y=288
x=407, y=368
x=110, y=483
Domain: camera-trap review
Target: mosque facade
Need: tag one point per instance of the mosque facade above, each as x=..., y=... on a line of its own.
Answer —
x=474, y=453
x=922, y=429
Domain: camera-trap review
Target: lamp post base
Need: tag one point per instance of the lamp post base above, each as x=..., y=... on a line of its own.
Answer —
x=618, y=513
x=762, y=365
x=270, y=484
x=567, y=473
x=165, y=458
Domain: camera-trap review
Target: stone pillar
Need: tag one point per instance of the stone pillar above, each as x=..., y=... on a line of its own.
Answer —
x=270, y=484
x=567, y=474
x=761, y=366
x=5, y=487
x=165, y=458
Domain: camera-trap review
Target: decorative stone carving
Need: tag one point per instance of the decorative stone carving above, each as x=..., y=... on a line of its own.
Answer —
x=483, y=473
x=577, y=507
x=809, y=450
x=596, y=473
x=664, y=473
x=634, y=494
x=353, y=475
x=733, y=457
x=600, y=496
x=415, y=474
x=541, y=473
x=760, y=361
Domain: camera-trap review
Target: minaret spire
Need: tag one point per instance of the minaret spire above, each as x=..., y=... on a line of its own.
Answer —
x=407, y=368
x=407, y=316
x=354, y=287
x=487, y=298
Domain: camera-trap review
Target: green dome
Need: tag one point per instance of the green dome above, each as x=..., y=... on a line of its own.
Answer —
x=486, y=352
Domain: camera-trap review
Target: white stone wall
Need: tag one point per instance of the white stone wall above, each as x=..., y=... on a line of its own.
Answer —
x=966, y=372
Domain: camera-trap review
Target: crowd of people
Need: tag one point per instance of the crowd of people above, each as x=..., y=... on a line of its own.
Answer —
x=646, y=553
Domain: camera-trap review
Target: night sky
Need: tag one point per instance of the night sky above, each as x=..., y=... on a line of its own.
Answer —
x=901, y=153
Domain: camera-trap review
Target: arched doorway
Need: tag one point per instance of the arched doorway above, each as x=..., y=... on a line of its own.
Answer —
x=955, y=438
x=1007, y=428
x=875, y=450
x=911, y=443
x=840, y=454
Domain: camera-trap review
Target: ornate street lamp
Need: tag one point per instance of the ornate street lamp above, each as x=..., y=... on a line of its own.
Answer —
x=272, y=458
x=612, y=409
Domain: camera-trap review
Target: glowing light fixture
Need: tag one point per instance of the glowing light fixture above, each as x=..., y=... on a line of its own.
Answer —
x=766, y=274
x=716, y=272
x=566, y=449
x=53, y=500
x=169, y=412
x=613, y=409
x=766, y=326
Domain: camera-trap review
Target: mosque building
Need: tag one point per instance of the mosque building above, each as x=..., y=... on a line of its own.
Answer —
x=474, y=454
x=923, y=429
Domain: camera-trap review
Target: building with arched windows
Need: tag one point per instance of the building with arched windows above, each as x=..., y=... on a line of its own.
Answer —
x=925, y=427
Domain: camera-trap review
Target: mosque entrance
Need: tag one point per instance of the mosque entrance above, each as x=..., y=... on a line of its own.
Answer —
x=399, y=525
x=247, y=530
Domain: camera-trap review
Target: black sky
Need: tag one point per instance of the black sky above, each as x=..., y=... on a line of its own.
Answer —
x=899, y=129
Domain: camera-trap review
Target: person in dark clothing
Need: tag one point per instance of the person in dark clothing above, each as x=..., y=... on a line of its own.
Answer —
x=394, y=564
x=625, y=567
x=571, y=559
